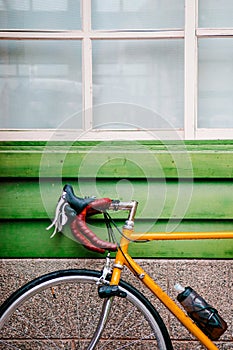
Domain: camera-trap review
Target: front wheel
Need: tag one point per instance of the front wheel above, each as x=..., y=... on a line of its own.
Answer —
x=61, y=310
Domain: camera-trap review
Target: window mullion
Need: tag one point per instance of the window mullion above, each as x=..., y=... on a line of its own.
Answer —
x=87, y=65
x=190, y=69
x=214, y=32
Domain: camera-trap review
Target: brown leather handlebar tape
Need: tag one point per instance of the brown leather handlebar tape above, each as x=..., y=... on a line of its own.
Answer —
x=98, y=205
x=84, y=234
x=83, y=240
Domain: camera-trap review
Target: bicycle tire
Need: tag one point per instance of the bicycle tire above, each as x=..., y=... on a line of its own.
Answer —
x=45, y=313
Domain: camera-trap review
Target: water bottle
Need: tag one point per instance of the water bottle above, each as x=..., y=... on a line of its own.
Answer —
x=203, y=314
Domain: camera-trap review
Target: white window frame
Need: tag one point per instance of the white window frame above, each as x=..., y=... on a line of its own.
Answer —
x=190, y=35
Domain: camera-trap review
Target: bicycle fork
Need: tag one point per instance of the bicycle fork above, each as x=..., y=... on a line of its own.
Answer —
x=107, y=296
x=106, y=308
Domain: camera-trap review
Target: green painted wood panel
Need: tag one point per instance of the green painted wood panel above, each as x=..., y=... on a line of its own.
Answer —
x=117, y=160
x=28, y=239
x=157, y=199
x=189, y=182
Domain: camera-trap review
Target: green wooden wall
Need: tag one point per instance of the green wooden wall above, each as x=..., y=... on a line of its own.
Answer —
x=180, y=186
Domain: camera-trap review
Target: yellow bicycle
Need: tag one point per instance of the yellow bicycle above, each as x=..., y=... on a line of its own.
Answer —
x=85, y=309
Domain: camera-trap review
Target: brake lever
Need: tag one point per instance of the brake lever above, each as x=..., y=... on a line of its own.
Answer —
x=62, y=213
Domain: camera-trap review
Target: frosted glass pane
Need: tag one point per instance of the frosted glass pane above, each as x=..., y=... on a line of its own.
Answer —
x=139, y=73
x=137, y=14
x=40, y=83
x=37, y=14
x=215, y=83
x=215, y=13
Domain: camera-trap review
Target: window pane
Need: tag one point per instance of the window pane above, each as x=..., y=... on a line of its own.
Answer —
x=137, y=14
x=215, y=13
x=215, y=83
x=37, y=14
x=40, y=83
x=143, y=73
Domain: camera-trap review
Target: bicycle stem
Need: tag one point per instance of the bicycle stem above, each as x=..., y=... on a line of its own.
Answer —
x=130, y=206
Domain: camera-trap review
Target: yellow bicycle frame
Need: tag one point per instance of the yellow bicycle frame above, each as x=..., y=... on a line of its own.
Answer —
x=124, y=259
